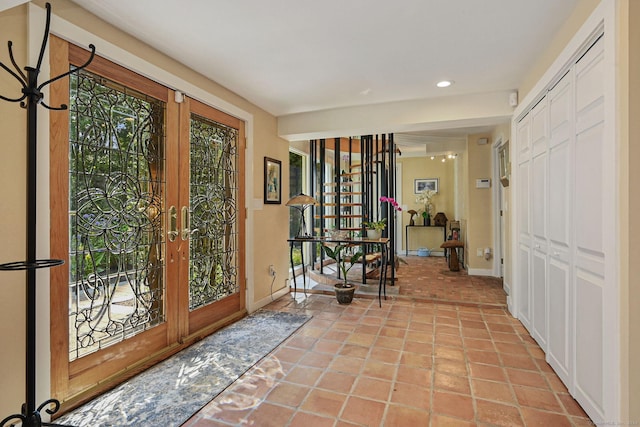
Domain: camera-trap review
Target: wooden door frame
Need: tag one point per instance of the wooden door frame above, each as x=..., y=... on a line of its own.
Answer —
x=72, y=382
x=195, y=322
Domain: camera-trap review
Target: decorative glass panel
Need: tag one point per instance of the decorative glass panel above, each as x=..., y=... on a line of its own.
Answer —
x=116, y=187
x=214, y=232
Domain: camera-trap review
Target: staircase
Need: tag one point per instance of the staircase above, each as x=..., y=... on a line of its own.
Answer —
x=348, y=175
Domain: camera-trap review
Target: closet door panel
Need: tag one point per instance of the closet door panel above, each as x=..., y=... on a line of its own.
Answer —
x=523, y=203
x=589, y=375
x=524, y=293
x=589, y=190
x=539, y=253
x=539, y=297
x=592, y=347
x=524, y=139
x=539, y=132
x=559, y=344
x=523, y=162
x=539, y=140
x=523, y=296
x=561, y=130
x=560, y=195
x=539, y=199
x=560, y=166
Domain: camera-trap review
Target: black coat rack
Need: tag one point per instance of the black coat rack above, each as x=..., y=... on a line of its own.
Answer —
x=32, y=96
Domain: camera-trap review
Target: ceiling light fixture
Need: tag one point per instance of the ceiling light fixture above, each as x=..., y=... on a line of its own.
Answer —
x=444, y=83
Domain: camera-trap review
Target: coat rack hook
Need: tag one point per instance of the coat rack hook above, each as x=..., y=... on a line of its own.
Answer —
x=45, y=37
x=13, y=61
x=75, y=70
x=30, y=415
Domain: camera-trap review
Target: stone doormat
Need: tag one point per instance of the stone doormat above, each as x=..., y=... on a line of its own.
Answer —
x=170, y=392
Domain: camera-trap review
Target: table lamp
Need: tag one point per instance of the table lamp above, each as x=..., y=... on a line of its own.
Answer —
x=302, y=202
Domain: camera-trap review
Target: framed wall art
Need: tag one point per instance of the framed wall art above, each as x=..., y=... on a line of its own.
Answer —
x=421, y=185
x=272, y=181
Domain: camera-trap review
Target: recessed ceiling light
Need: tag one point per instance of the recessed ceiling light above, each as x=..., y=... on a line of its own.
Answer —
x=444, y=83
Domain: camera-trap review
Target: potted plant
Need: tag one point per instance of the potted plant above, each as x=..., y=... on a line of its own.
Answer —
x=426, y=218
x=374, y=228
x=344, y=290
x=424, y=198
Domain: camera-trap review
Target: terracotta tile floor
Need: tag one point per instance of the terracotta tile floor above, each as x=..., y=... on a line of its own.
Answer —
x=430, y=278
x=413, y=362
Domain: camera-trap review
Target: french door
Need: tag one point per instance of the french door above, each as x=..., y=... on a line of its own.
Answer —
x=146, y=196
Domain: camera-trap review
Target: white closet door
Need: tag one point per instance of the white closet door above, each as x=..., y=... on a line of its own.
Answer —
x=539, y=132
x=589, y=222
x=523, y=154
x=559, y=348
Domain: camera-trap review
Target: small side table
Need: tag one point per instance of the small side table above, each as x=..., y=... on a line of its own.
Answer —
x=453, y=245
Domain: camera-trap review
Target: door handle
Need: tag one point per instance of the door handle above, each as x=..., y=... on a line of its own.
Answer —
x=186, y=223
x=173, y=224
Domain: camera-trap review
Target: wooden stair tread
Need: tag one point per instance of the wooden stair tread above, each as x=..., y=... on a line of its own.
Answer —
x=350, y=193
x=359, y=173
x=348, y=183
x=373, y=256
x=348, y=229
x=336, y=216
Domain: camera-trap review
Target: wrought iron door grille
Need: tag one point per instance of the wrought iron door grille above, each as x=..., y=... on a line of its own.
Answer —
x=213, y=193
x=116, y=211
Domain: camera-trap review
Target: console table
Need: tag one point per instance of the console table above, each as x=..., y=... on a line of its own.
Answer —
x=383, y=243
x=406, y=234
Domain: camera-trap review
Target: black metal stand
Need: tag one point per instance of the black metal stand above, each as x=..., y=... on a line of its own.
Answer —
x=31, y=97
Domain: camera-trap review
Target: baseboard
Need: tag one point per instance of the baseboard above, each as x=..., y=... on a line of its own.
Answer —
x=269, y=299
x=415, y=253
x=480, y=272
x=506, y=287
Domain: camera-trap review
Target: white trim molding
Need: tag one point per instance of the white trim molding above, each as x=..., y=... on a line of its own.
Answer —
x=480, y=272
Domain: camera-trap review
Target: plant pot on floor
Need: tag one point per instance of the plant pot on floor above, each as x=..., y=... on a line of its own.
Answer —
x=344, y=293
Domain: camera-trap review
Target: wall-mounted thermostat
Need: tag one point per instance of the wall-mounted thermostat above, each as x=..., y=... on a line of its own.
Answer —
x=483, y=183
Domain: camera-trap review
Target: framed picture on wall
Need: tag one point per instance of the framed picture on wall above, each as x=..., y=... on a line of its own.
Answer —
x=421, y=185
x=272, y=181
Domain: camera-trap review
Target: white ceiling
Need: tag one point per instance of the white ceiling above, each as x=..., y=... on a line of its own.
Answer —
x=293, y=56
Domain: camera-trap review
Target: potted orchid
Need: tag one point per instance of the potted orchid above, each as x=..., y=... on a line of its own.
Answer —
x=374, y=228
x=424, y=198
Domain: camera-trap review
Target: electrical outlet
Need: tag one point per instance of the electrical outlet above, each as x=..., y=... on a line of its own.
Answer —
x=479, y=252
x=272, y=271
